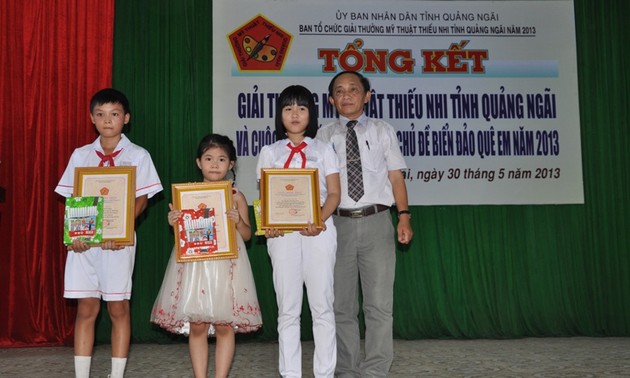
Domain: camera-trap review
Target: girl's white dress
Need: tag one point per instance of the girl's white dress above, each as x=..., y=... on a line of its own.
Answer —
x=219, y=292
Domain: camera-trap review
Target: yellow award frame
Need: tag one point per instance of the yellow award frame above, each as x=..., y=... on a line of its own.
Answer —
x=117, y=186
x=196, y=196
x=289, y=198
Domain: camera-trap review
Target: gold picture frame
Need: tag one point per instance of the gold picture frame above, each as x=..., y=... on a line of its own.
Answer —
x=203, y=197
x=289, y=198
x=117, y=186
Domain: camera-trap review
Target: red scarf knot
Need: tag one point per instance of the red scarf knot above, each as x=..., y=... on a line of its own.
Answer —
x=296, y=150
x=109, y=159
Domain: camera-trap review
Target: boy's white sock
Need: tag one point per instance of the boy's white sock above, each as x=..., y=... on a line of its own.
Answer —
x=82, y=366
x=118, y=367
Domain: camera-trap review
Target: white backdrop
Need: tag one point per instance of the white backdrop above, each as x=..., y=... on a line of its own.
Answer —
x=483, y=94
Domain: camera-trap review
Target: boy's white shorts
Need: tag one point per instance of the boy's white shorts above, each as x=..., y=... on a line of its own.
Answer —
x=98, y=273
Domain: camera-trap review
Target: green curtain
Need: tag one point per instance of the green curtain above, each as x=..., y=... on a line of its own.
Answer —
x=471, y=271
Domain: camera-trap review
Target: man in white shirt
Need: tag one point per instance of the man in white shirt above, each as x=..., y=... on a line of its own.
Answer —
x=365, y=243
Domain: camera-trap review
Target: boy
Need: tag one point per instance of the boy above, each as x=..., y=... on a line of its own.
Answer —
x=105, y=272
x=371, y=181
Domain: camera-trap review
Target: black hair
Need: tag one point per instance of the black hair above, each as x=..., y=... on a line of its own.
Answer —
x=298, y=95
x=111, y=96
x=364, y=81
x=220, y=141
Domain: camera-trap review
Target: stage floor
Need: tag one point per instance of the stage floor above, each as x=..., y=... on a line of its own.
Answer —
x=529, y=357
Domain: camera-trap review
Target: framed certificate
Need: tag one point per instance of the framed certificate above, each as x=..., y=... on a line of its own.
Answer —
x=289, y=198
x=208, y=204
x=117, y=186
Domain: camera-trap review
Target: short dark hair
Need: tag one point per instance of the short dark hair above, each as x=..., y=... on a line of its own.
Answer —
x=217, y=140
x=299, y=95
x=109, y=96
x=364, y=81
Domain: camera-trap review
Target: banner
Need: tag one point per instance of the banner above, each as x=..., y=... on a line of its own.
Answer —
x=483, y=94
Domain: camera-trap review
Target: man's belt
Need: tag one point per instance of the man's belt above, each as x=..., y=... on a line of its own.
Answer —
x=362, y=211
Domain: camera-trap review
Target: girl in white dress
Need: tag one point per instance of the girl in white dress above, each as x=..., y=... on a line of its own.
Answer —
x=213, y=297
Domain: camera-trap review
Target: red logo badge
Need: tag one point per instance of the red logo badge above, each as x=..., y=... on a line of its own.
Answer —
x=260, y=45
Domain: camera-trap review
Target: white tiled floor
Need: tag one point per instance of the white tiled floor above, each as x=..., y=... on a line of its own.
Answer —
x=530, y=357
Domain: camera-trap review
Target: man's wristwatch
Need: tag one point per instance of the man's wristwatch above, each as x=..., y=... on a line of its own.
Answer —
x=401, y=212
